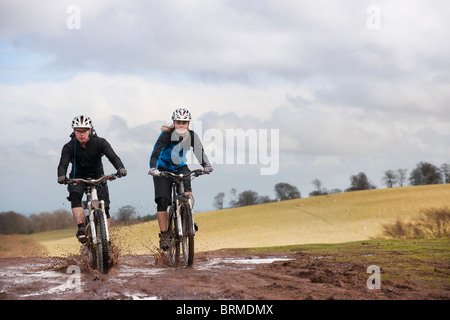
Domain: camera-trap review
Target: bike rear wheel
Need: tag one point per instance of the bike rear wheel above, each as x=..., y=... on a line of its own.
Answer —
x=187, y=242
x=102, y=242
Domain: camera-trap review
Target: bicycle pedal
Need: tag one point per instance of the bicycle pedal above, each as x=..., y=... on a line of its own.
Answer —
x=82, y=239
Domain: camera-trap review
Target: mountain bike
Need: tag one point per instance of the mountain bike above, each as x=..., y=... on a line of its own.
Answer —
x=97, y=246
x=181, y=224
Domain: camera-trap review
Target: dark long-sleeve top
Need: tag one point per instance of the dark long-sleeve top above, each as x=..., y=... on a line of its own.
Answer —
x=87, y=162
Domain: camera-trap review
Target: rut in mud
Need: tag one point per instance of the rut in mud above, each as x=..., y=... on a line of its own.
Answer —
x=223, y=274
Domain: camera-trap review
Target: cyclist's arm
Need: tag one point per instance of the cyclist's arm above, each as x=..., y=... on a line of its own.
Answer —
x=66, y=156
x=199, y=152
x=163, y=139
x=108, y=151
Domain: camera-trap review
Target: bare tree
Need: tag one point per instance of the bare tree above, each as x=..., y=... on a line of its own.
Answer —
x=218, y=200
x=445, y=169
x=319, y=191
x=126, y=213
x=317, y=183
x=360, y=182
x=401, y=176
x=285, y=191
x=247, y=198
x=390, y=178
x=264, y=199
x=233, y=201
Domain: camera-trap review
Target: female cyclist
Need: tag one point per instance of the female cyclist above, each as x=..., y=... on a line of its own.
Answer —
x=169, y=154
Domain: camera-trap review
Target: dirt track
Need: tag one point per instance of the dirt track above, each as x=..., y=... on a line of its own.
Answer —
x=223, y=274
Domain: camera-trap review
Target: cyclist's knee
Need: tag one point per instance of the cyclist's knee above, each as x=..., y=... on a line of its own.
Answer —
x=75, y=199
x=162, y=203
x=107, y=212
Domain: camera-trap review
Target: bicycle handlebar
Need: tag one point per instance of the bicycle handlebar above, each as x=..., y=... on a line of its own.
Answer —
x=195, y=173
x=110, y=177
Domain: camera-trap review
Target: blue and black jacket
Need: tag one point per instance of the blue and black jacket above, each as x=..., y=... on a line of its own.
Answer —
x=170, y=151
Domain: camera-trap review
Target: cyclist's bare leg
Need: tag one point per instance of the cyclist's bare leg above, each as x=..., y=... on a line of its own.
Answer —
x=78, y=214
x=162, y=220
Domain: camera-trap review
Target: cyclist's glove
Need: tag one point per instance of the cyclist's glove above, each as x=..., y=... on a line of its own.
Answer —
x=62, y=180
x=208, y=169
x=154, y=172
x=122, y=172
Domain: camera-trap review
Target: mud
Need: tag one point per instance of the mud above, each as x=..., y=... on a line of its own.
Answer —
x=223, y=274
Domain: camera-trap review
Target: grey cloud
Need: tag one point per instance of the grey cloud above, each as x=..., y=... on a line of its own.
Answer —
x=220, y=40
x=340, y=90
x=324, y=131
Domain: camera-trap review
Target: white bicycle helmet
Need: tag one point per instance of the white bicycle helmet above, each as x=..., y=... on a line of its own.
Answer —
x=181, y=114
x=82, y=122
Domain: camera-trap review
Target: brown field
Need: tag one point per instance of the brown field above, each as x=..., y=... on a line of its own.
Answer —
x=20, y=246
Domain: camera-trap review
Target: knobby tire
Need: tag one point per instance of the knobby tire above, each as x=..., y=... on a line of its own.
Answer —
x=89, y=250
x=102, y=242
x=174, y=249
x=188, y=235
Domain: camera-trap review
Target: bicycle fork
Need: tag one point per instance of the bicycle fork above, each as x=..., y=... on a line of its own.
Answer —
x=91, y=209
x=179, y=225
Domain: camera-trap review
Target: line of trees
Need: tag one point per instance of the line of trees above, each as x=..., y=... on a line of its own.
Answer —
x=128, y=215
x=15, y=223
x=423, y=174
x=283, y=191
x=12, y=222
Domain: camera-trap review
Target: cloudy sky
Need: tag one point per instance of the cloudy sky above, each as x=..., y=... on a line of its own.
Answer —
x=321, y=89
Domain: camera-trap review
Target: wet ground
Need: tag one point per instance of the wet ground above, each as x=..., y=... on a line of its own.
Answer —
x=218, y=275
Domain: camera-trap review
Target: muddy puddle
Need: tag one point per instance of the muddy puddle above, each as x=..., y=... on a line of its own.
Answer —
x=218, y=275
x=67, y=278
x=241, y=263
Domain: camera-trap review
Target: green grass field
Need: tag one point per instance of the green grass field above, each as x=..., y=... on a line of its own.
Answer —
x=335, y=218
x=424, y=260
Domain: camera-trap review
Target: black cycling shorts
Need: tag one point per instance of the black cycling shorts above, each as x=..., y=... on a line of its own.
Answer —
x=163, y=185
x=76, y=192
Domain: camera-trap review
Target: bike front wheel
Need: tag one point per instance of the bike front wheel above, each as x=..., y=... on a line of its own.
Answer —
x=174, y=248
x=187, y=241
x=102, y=242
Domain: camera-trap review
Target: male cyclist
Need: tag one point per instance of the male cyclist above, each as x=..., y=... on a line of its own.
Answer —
x=84, y=151
x=169, y=154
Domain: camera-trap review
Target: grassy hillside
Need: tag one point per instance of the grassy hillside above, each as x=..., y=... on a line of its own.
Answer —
x=59, y=242
x=326, y=219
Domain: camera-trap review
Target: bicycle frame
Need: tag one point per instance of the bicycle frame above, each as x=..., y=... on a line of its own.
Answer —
x=179, y=197
x=97, y=234
x=92, y=202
